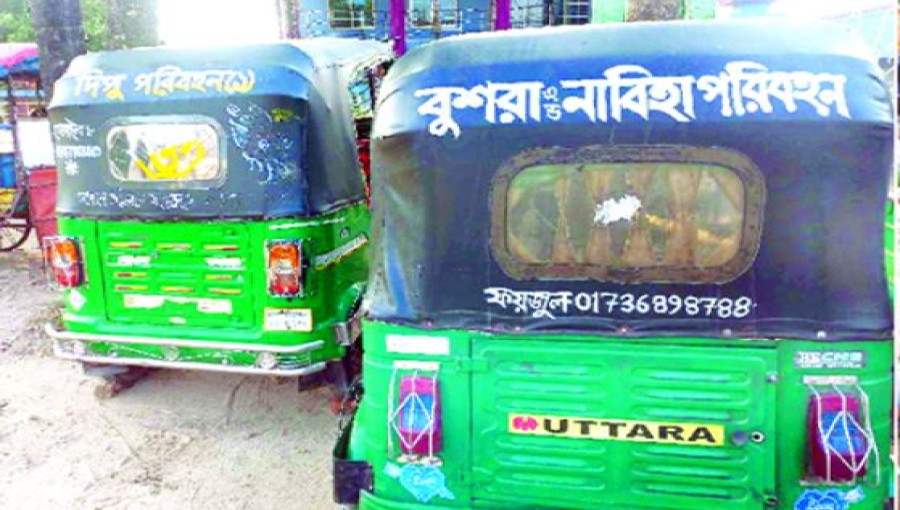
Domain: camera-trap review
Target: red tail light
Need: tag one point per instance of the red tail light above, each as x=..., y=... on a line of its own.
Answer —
x=419, y=415
x=284, y=268
x=64, y=261
x=838, y=444
x=365, y=161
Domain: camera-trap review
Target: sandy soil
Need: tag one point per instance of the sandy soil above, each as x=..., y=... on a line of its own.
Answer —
x=178, y=440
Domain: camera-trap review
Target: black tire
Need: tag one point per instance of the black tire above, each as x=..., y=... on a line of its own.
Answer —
x=353, y=360
x=13, y=233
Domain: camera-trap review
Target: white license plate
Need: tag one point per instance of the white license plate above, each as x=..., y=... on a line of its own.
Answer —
x=284, y=319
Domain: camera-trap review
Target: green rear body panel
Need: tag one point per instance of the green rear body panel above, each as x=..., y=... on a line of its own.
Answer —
x=889, y=241
x=751, y=388
x=207, y=281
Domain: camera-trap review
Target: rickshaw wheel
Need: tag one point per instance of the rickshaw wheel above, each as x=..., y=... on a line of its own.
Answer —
x=13, y=233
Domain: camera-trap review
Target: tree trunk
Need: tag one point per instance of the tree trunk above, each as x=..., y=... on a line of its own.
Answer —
x=653, y=10
x=289, y=18
x=60, y=36
x=130, y=24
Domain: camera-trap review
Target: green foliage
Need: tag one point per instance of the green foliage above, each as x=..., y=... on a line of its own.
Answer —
x=15, y=27
x=93, y=13
x=15, y=24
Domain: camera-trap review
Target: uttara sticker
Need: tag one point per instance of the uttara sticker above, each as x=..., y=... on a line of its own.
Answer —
x=607, y=429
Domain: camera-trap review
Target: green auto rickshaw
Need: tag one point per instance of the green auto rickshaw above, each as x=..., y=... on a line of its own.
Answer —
x=635, y=266
x=212, y=207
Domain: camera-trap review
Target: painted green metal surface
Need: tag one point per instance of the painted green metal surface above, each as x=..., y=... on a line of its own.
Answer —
x=207, y=281
x=889, y=242
x=752, y=388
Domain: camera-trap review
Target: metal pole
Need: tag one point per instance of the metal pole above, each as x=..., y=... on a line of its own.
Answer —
x=397, y=16
x=17, y=155
x=502, y=17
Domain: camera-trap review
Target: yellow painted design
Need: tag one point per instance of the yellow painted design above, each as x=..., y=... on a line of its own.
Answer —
x=125, y=244
x=221, y=247
x=220, y=277
x=131, y=287
x=282, y=115
x=131, y=275
x=227, y=292
x=607, y=429
x=178, y=290
x=174, y=246
x=166, y=163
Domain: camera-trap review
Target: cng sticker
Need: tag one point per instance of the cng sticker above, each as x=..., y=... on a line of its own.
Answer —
x=604, y=429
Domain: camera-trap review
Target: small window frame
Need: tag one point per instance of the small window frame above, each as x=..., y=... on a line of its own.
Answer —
x=370, y=17
x=435, y=18
x=751, y=231
x=167, y=184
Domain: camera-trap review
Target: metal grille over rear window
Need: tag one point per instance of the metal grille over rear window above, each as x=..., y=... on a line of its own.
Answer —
x=629, y=214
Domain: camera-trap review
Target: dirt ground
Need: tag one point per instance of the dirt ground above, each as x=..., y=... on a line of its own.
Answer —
x=176, y=440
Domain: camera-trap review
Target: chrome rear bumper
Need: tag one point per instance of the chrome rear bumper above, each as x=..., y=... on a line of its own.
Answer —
x=70, y=345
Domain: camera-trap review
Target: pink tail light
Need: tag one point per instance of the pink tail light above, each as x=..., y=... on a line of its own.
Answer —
x=838, y=445
x=419, y=415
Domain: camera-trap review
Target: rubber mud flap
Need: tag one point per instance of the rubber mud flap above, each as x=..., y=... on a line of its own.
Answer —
x=350, y=476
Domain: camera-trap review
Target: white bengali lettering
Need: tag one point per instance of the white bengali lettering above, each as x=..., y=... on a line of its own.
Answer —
x=71, y=131
x=167, y=80
x=96, y=82
x=741, y=88
x=67, y=152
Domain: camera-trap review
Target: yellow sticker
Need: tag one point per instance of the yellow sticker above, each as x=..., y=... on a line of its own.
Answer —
x=693, y=434
x=174, y=162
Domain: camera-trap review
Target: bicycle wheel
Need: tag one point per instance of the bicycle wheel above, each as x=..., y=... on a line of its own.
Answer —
x=13, y=233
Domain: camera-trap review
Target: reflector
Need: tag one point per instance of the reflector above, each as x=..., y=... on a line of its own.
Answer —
x=839, y=441
x=416, y=416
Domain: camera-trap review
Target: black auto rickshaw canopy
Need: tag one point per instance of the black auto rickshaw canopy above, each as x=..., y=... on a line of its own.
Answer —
x=256, y=131
x=684, y=178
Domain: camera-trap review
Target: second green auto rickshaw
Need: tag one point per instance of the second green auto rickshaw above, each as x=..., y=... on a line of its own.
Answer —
x=212, y=207
x=628, y=267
